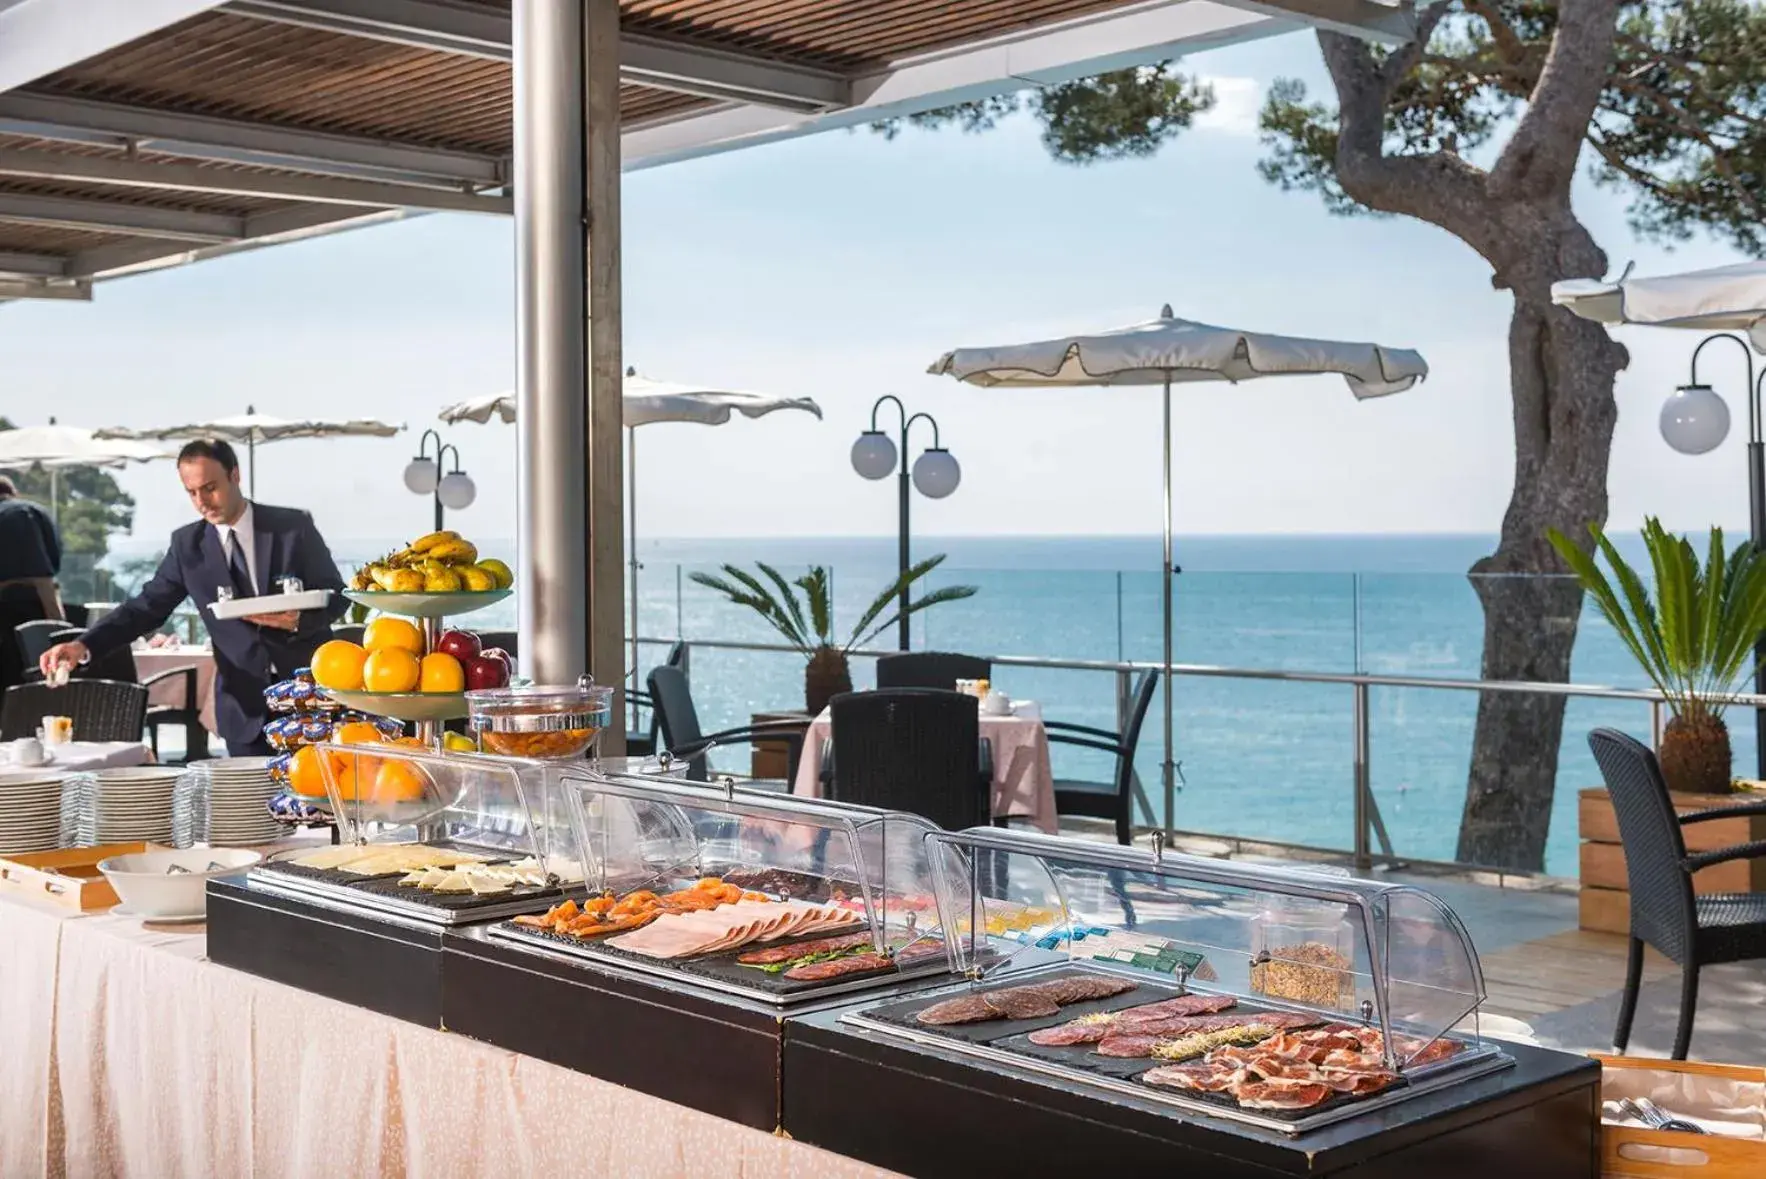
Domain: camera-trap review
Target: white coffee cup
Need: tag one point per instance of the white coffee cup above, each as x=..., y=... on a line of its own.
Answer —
x=28, y=751
x=997, y=703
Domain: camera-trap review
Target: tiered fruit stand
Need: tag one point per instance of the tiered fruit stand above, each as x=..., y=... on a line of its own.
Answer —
x=426, y=709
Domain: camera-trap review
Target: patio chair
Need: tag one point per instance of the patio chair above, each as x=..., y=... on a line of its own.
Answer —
x=34, y=638
x=641, y=742
x=912, y=749
x=119, y=666
x=678, y=724
x=102, y=710
x=930, y=669
x=1113, y=799
x=1691, y=930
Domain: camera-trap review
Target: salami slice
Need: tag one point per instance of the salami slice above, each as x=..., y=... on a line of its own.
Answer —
x=822, y=945
x=838, y=967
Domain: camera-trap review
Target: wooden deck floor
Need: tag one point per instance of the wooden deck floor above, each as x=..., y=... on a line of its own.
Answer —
x=1562, y=970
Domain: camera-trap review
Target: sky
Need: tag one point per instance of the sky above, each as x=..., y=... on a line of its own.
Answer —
x=838, y=267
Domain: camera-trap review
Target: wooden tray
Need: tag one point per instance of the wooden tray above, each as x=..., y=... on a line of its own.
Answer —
x=68, y=878
x=1627, y=1152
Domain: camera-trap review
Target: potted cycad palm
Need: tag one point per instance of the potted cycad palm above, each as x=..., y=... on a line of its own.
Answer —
x=1693, y=634
x=808, y=623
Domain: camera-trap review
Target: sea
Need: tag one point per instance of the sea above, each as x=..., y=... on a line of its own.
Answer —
x=1259, y=759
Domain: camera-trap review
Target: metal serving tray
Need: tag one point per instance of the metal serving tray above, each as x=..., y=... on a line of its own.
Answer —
x=352, y=899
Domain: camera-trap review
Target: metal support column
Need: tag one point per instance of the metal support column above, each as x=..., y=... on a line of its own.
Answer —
x=1363, y=780
x=551, y=318
x=606, y=365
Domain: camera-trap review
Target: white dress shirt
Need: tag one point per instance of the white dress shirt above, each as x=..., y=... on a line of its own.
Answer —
x=242, y=533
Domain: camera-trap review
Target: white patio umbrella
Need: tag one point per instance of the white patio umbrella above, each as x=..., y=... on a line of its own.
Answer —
x=644, y=403
x=54, y=447
x=1167, y=351
x=252, y=428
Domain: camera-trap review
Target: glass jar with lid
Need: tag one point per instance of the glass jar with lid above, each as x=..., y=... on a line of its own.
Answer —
x=540, y=721
x=1303, y=951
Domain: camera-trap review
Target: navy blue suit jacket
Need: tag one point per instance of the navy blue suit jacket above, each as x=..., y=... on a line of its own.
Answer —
x=248, y=658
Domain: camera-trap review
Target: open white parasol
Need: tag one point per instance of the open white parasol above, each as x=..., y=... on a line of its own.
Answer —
x=54, y=447
x=252, y=428
x=1167, y=351
x=646, y=403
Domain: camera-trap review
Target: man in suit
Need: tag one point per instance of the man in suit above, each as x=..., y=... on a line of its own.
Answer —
x=30, y=557
x=247, y=548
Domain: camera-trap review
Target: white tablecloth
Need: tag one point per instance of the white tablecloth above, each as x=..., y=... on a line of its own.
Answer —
x=127, y=1053
x=151, y=661
x=1023, y=779
x=88, y=755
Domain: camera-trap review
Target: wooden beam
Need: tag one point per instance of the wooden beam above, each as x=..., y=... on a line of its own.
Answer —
x=606, y=364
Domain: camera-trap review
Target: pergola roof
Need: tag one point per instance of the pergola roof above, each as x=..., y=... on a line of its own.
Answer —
x=138, y=134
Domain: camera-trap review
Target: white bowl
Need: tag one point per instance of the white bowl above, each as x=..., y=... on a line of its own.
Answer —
x=143, y=885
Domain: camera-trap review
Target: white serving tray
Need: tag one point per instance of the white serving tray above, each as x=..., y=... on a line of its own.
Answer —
x=271, y=604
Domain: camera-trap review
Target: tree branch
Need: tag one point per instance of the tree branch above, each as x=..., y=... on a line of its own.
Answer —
x=1405, y=58
x=1509, y=45
x=1540, y=157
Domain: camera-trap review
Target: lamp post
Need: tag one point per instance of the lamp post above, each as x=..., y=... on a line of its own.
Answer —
x=935, y=473
x=423, y=476
x=1695, y=420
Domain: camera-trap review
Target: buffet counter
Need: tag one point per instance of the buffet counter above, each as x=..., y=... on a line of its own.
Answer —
x=127, y=1052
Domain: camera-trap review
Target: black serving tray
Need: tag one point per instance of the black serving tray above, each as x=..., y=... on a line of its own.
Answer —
x=987, y=1031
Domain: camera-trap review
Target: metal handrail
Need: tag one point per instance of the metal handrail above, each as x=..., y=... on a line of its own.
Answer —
x=1369, y=825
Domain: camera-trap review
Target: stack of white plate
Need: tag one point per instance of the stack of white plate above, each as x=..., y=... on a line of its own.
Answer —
x=225, y=802
x=30, y=811
x=122, y=805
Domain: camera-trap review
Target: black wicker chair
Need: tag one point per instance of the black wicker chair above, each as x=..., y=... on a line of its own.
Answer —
x=102, y=710
x=119, y=666
x=1113, y=799
x=930, y=669
x=912, y=749
x=1694, y=931
x=641, y=742
x=678, y=723
x=33, y=639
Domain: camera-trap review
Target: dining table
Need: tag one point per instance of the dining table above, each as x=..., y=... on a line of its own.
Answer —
x=1023, y=778
x=78, y=756
x=151, y=661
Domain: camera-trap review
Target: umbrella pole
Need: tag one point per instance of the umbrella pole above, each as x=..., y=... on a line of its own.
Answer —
x=55, y=497
x=1165, y=576
x=251, y=463
x=631, y=538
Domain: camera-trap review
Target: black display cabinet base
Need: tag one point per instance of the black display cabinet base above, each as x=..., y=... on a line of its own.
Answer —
x=385, y=966
x=718, y=1054
x=933, y=1113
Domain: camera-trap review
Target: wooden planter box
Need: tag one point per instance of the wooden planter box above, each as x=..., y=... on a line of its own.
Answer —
x=1605, y=897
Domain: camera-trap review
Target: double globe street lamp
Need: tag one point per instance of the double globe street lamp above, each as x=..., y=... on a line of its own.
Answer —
x=423, y=476
x=935, y=473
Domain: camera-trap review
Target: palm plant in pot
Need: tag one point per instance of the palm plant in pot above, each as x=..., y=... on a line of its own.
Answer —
x=1693, y=636
x=807, y=623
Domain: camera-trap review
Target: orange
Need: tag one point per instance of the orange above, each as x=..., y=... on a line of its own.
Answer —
x=338, y=664
x=387, y=632
x=358, y=733
x=391, y=669
x=441, y=672
x=305, y=776
x=399, y=781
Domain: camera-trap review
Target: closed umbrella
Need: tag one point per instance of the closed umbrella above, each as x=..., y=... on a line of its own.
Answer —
x=55, y=446
x=644, y=403
x=1167, y=351
x=252, y=428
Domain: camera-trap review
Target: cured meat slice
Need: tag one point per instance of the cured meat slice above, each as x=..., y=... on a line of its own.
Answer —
x=1199, y=1077
x=1280, y=1094
x=1021, y=1003
x=1359, y=1082
x=962, y=1009
x=838, y=967
x=773, y=954
x=1149, y=1017
x=1078, y=988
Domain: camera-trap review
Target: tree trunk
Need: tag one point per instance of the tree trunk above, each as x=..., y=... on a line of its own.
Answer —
x=1561, y=373
x=825, y=676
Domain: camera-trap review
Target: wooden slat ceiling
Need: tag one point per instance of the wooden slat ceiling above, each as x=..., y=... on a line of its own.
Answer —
x=53, y=239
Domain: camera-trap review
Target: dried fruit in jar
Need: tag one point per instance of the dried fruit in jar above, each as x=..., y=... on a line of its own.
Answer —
x=559, y=743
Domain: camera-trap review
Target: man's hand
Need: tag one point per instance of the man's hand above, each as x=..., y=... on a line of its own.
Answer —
x=68, y=655
x=282, y=620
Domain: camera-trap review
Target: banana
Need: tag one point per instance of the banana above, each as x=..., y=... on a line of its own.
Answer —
x=424, y=544
x=454, y=552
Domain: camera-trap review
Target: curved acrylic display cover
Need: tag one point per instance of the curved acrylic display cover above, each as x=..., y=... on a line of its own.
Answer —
x=663, y=833
x=399, y=794
x=1388, y=955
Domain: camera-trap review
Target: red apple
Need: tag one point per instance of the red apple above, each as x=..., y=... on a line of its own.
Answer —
x=482, y=671
x=461, y=644
x=498, y=653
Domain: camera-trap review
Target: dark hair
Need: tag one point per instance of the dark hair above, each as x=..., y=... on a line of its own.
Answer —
x=7, y=487
x=210, y=448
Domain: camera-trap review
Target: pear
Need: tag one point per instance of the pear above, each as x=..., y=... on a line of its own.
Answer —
x=407, y=581
x=441, y=581
x=476, y=579
x=381, y=574
x=499, y=571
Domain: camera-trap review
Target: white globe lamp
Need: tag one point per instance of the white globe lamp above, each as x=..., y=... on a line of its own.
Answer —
x=421, y=476
x=936, y=473
x=456, y=491
x=873, y=455
x=1694, y=419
